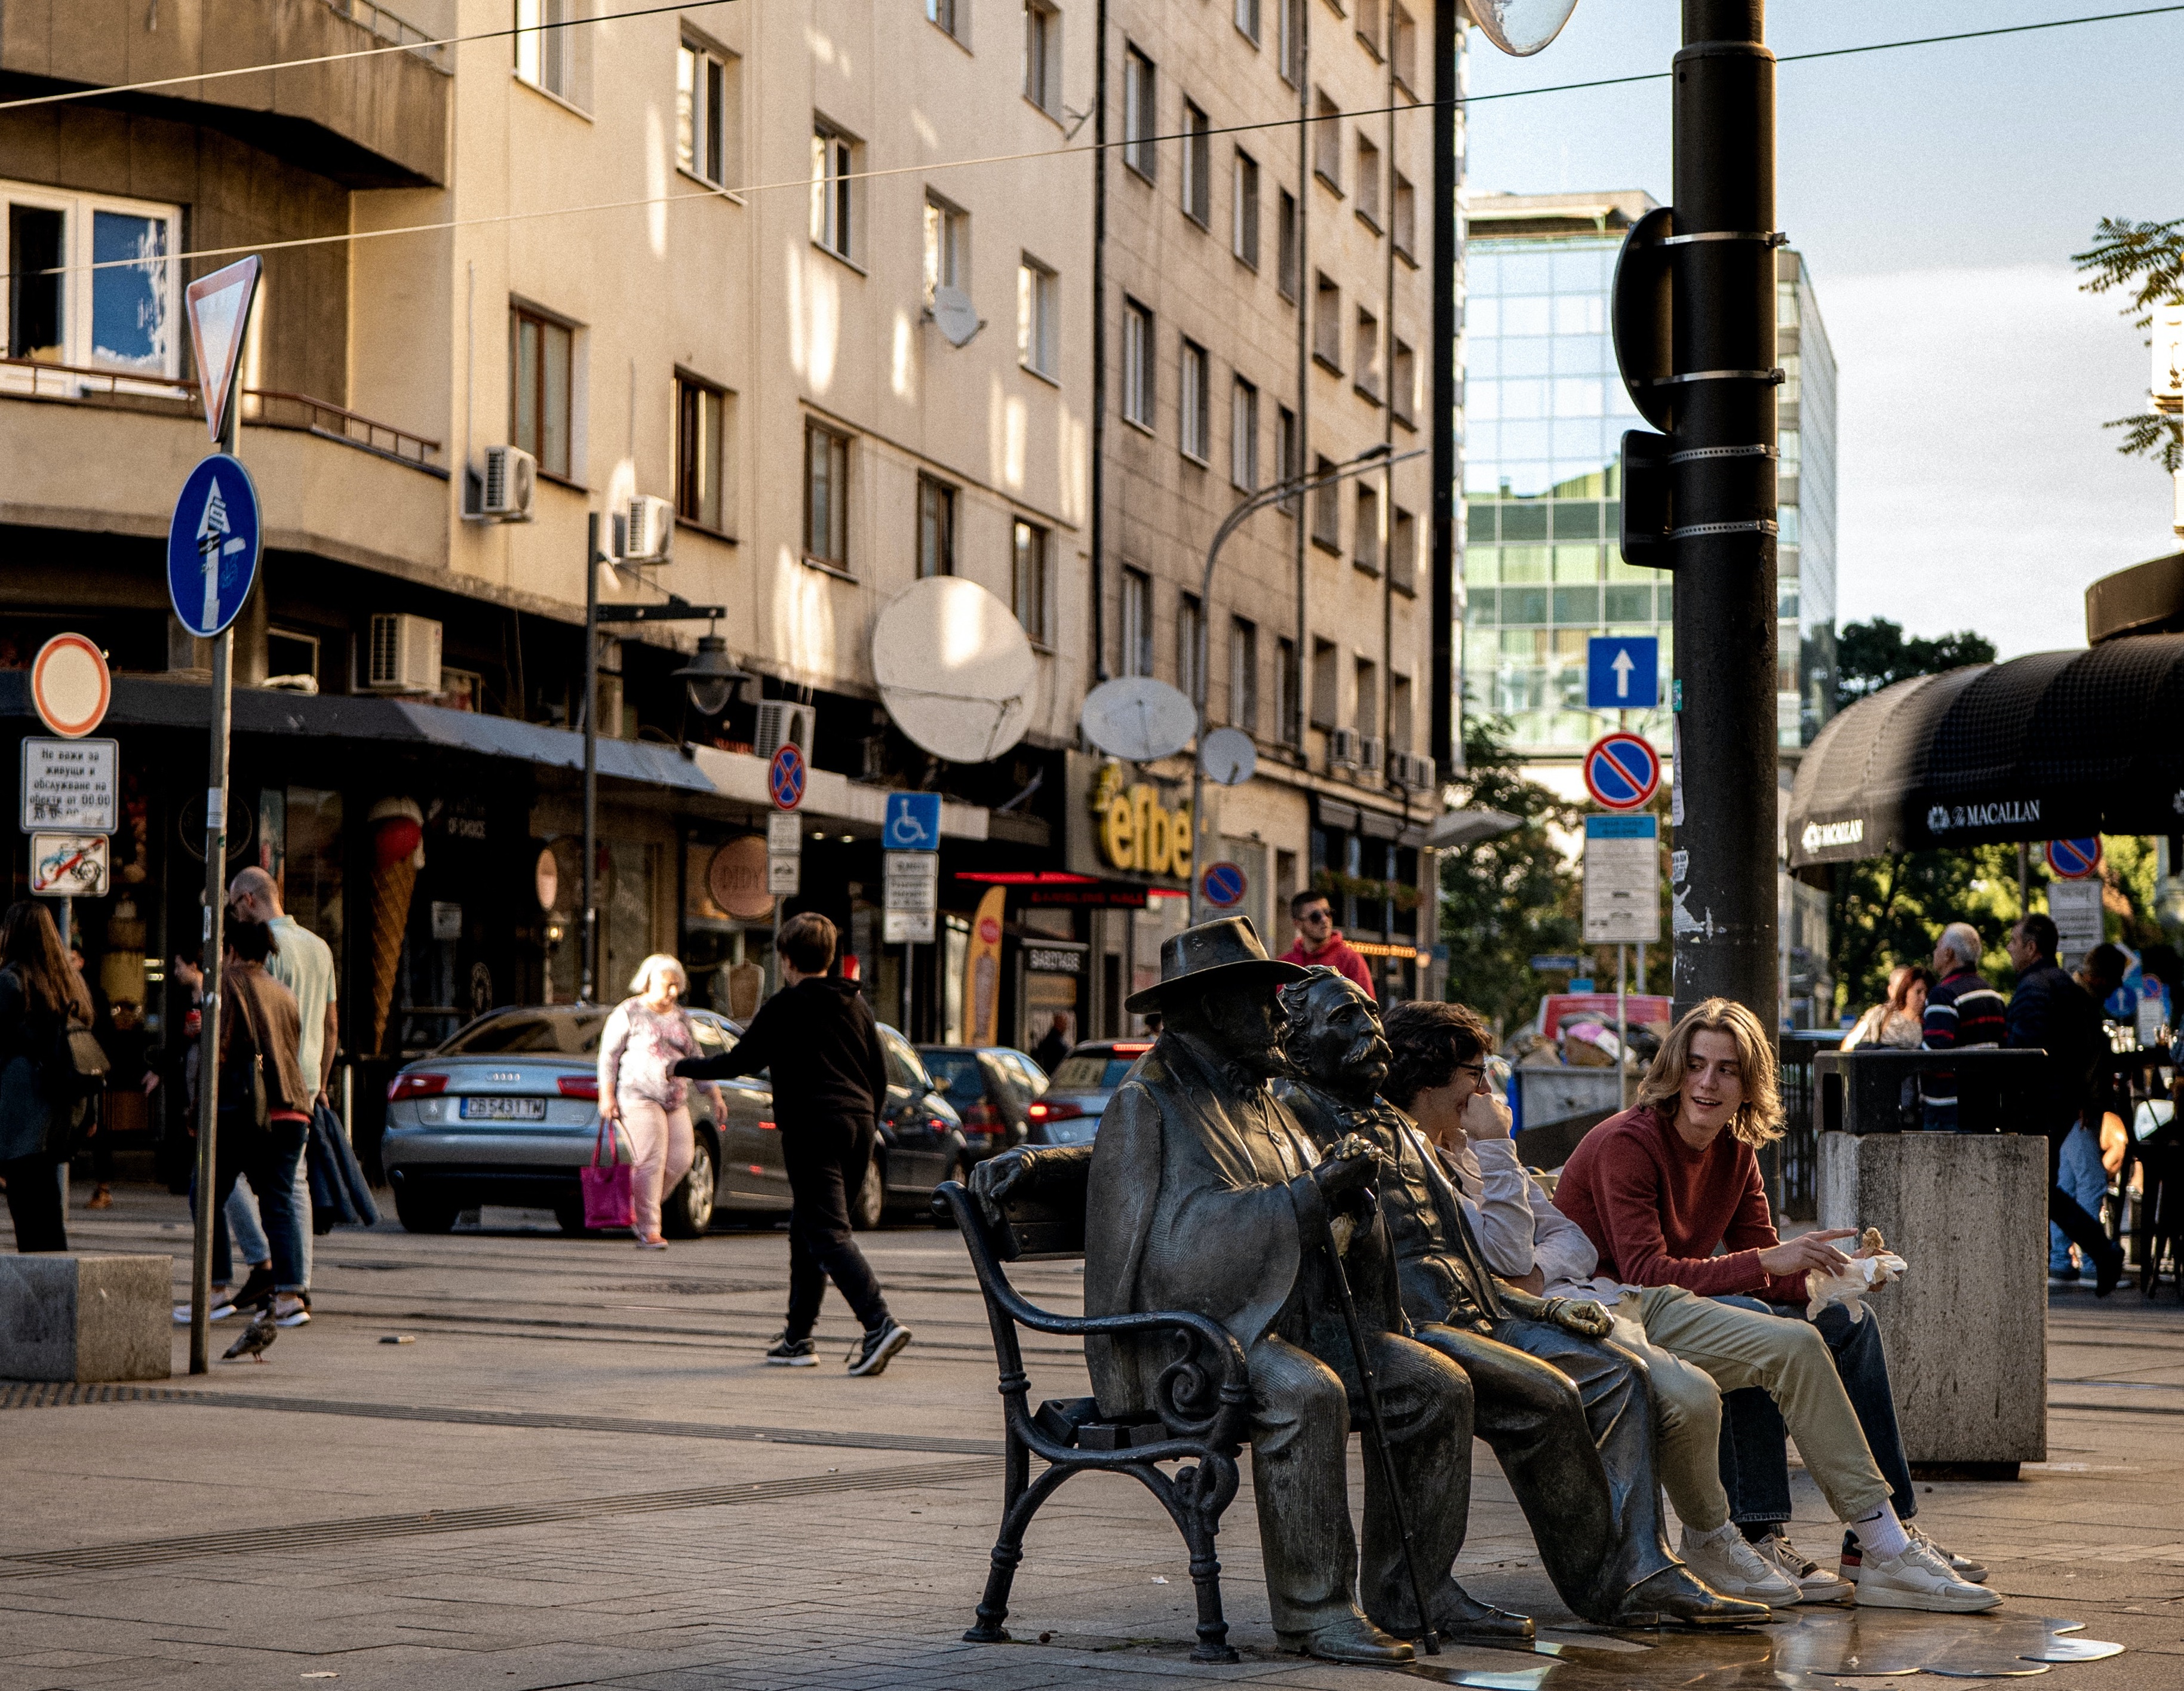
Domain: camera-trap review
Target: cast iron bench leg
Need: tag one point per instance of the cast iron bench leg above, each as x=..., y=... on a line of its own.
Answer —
x=1008, y=1549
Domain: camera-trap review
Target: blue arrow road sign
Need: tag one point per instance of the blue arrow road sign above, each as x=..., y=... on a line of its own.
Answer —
x=1622, y=673
x=913, y=822
x=212, y=545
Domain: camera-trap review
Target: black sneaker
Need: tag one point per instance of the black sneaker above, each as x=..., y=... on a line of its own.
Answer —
x=256, y=1290
x=878, y=1347
x=792, y=1353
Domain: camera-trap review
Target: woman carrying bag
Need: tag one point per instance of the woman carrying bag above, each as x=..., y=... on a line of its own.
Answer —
x=42, y=999
x=639, y=1093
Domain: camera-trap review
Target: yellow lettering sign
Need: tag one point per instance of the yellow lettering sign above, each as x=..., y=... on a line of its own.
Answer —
x=1137, y=831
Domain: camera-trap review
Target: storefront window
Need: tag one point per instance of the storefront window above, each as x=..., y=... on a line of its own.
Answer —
x=308, y=869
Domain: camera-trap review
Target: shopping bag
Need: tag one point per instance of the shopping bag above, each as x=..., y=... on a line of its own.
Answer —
x=610, y=1200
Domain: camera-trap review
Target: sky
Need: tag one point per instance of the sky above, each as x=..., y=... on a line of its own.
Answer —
x=1937, y=193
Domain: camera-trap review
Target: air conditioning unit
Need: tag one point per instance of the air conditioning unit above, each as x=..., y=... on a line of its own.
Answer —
x=1412, y=769
x=1370, y=749
x=781, y=723
x=511, y=483
x=1342, y=748
x=405, y=653
x=648, y=530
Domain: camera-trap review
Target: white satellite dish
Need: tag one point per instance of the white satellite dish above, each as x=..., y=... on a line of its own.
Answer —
x=1228, y=757
x=1522, y=27
x=955, y=316
x=955, y=670
x=1139, y=719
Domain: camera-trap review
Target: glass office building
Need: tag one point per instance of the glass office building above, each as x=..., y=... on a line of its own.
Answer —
x=1544, y=414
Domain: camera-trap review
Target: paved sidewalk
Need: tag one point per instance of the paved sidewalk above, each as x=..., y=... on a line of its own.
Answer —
x=579, y=1474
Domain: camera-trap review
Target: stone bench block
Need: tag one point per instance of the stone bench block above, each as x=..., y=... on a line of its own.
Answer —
x=66, y=1316
x=1967, y=1326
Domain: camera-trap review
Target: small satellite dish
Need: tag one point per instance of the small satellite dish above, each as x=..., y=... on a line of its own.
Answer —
x=1139, y=719
x=1521, y=27
x=956, y=316
x=1228, y=757
x=955, y=670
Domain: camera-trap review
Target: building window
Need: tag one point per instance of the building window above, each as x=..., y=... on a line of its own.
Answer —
x=1038, y=317
x=1368, y=181
x=1324, y=687
x=1027, y=579
x=1138, y=385
x=833, y=176
x=826, y=496
x=1193, y=408
x=1189, y=647
x=936, y=527
x=121, y=316
x=1137, y=622
x=1244, y=675
x=705, y=119
x=1247, y=18
x=1244, y=436
x=1289, y=22
x=1368, y=26
x=1285, y=241
x=1197, y=167
x=1403, y=49
x=1368, y=363
x=1326, y=506
x=1289, y=721
x=1286, y=461
x=549, y=47
x=1368, y=698
x=1401, y=728
x=1140, y=121
x=1244, y=214
x=1405, y=199
x=1326, y=323
x=1403, y=382
x=702, y=414
x=1327, y=141
x=540, y=401
x=1041, y=56
x=947, y=246
x=1368, y=529
x=1403, y=550
x=951, y=15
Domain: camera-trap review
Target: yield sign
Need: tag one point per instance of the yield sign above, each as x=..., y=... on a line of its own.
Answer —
x=220, y=317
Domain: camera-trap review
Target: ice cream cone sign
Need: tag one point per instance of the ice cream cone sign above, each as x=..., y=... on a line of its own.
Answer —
x=398, y=852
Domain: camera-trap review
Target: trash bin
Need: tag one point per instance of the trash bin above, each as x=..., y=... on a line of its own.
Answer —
x=1967, y=1210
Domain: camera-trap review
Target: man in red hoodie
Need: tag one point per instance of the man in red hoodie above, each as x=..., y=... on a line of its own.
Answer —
x=1320, y=945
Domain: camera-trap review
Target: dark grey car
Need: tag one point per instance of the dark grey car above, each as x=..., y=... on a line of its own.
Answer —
x=1069, y=1112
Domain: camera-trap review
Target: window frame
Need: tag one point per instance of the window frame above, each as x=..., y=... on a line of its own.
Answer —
x=1289, y=692
x=1326, y=506
x=1135, y=626
x=837, y=447
x=1197, y=171
x=1244, y=675
x=1243, y=209
x=1288, y=44
x=75, y=290
x=1246, y=15
x=946, y=245
x=1287, y=248
x=1286, y=456
x=1140, y=364
x=1243, y=435
x=835, y=220
x=1190, y=645
x=1368, y=196
x=1194, y=402
x=1365, y=538
x=550, y=327
x=1403, y=216
x=1403, y=382
x=1041, y=56
x=1327, y=324
x=706, y=140
x=692, y=392
x=1327, y=141
x=1140, y=112
x=552, y=50
x=1402, y=550
x=952, y=17
x=938, y=505
x=1039, y=318
x=1366, y=346
x=1031, y=569
x=1403, y=48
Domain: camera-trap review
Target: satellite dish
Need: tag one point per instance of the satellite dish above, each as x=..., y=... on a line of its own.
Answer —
x=1228, y=757
x=957, y=318
x=1139, y=719
x=955, y=670
x=1521, y=27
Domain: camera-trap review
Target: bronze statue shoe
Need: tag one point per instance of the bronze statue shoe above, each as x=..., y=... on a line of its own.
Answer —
x=1678, y=1597
x=1461, y=1618
x=1354, y=1639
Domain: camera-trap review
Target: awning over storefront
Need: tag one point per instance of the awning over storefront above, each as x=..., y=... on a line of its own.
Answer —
x=145, y=701
x=2054, y=745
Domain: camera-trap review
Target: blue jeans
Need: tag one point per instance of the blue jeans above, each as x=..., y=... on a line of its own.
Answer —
x=2079, y=1173
x=1755, y=1456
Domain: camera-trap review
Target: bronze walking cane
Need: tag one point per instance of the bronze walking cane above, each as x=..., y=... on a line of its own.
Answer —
x=1427, y=1636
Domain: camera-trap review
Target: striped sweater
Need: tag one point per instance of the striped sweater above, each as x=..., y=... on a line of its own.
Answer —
x=1962, y=1013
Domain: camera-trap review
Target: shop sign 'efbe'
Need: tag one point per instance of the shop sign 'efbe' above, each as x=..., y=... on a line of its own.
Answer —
x=1136, y=831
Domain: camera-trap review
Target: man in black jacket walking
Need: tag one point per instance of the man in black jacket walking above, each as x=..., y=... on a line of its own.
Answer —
x=2052, y=1012
x=818, y=1037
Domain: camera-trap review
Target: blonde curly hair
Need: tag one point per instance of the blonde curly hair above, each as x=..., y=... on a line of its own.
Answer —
x=1759, y=1117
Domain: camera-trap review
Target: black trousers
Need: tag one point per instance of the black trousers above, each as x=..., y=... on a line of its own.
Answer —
x=826, y=1163
x=34, y=1203
x=2082, y=1230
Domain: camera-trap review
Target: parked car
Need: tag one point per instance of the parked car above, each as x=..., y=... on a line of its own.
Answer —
x=992, y=1087
x=507, y=1111
x=1069, y=1112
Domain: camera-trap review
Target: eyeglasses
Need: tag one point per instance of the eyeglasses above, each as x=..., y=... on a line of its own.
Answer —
x=1476, y=1070
x=1313, y=918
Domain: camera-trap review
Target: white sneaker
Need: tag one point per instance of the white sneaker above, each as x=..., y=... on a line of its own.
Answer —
x=1814, y=1583
x=1917, y=1579
x=1963, y=1567
x=292, y=1311
x=223, y=1306
x=1722, y=1560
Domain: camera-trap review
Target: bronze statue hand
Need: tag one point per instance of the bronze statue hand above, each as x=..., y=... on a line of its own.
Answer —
x=993, y=1180
x=1351, y=1162
x=1581, y=1316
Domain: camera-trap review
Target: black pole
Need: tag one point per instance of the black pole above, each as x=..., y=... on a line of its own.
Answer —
x=1447, y=177
x=588, y=959
x=1722, y=470
x=1099, y=521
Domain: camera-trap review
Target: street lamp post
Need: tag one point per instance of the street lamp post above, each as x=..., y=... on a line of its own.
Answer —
x=1373, y=458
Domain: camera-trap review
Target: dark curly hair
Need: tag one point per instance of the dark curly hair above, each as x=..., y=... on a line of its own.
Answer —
x=1429, y=1042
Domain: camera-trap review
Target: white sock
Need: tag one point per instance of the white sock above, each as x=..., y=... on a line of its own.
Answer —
x=1882, y=1533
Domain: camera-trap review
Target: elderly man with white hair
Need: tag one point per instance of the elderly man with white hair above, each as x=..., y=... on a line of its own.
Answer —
x=1964, y=1013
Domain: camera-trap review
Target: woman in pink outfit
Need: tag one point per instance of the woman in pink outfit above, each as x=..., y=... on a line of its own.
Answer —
x=639, y=1093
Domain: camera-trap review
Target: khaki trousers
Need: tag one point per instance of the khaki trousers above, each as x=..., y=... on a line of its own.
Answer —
x=1739, y=1347
x=1686, y=1424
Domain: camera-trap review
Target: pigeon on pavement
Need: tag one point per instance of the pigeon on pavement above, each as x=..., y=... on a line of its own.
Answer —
x=253, y=1339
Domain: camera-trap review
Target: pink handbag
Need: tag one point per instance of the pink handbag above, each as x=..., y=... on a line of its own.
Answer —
x=610, y=1200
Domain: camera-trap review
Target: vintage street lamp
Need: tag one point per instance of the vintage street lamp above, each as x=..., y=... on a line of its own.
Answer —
x=711, y=677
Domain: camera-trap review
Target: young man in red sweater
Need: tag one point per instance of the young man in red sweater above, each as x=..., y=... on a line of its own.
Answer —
x=1320, y=944
x=1658, y=1190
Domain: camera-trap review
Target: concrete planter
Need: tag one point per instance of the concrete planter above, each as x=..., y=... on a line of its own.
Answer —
x=86, y=1318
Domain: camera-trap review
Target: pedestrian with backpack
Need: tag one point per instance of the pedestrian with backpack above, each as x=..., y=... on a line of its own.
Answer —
x=44, y=1088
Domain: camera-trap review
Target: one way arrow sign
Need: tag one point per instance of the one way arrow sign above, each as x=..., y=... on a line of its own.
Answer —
x=1623, y=672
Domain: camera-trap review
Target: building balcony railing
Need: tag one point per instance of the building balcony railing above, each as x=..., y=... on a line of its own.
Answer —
x=398, y=31
x=262, y=408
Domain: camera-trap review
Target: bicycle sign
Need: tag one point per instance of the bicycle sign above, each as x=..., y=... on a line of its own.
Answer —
x=68, y=865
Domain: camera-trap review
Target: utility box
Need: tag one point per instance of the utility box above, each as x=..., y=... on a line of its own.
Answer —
x=65, y=1316
x=1880, y=1090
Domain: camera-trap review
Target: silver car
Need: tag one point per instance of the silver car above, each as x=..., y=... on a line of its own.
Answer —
x=1069, y=1112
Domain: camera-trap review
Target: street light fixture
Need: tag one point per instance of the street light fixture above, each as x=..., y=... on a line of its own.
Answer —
x=711, y=678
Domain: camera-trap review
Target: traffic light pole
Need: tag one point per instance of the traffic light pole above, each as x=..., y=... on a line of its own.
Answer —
x=1722, y=465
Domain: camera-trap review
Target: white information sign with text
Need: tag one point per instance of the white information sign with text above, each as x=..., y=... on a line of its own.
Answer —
x=1622, y=880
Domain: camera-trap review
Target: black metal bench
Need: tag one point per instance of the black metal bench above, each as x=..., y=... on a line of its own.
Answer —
x=1201, y=1421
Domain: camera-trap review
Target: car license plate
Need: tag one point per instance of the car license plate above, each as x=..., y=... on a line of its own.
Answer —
x=504, y=1109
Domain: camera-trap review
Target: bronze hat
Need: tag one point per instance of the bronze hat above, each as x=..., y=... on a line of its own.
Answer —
x=1212, y=954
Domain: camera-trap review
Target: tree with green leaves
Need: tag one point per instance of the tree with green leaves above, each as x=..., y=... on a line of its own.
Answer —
x=2145, y=261
x=1872, y=655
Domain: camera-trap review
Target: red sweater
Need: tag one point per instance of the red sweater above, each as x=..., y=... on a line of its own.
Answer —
x=1339, y=954
x=1656, y=1210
